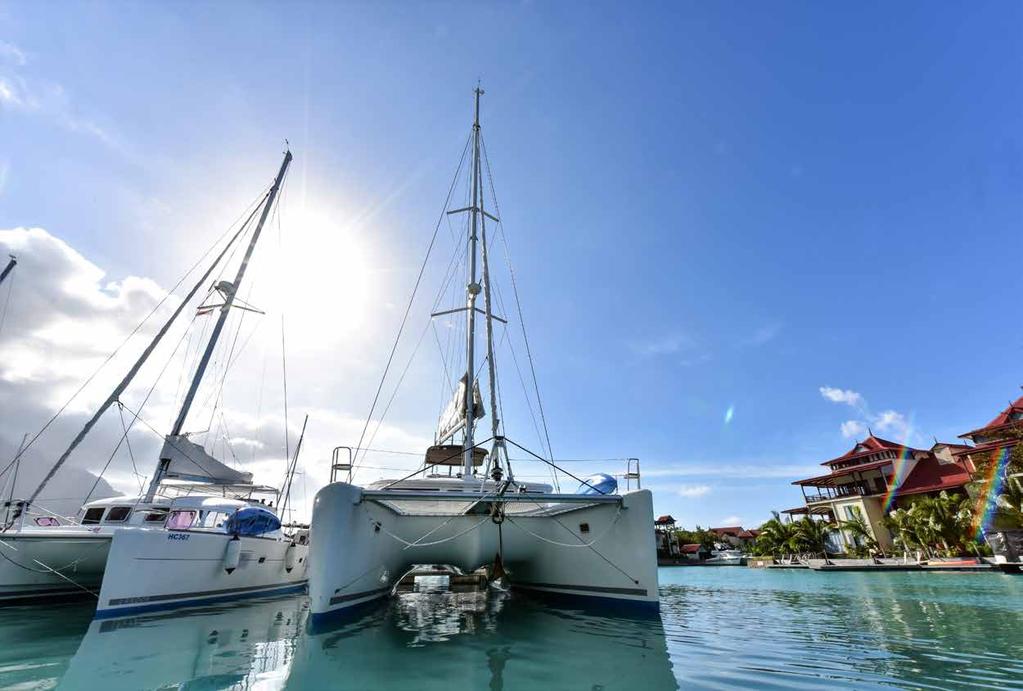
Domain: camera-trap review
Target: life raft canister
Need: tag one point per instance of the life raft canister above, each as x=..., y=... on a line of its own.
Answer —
x=289, y=557
x=232, y=554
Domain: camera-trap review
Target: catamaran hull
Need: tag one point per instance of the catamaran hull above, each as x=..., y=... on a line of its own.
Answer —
x=38, y=567
x=600, y=552
x=150, y=570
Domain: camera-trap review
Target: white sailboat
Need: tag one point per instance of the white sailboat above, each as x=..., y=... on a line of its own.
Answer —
x=595, y=544
x=43, y=555
x=220, y=541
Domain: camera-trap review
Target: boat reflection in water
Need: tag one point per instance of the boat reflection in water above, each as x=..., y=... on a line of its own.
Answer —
x=421, y=640
x=237, y=646
x=497, y=641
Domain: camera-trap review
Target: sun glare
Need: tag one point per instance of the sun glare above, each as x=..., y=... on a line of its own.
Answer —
x=325, y=269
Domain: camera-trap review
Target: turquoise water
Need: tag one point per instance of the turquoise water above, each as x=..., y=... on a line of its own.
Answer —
x=722, y=627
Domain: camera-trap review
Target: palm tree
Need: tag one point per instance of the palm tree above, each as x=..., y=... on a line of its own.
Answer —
x=775, y=536
x=902, y=527
x=812, y=536
x=1010, y=502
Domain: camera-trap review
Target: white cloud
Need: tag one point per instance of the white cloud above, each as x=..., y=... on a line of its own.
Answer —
x=890, y=423
x=693, y=491
x=30, y=94
x=66, y=315
x=841, y=396
x=853, y=428
x=11, y=53
x=730, y=520
x=893, y=423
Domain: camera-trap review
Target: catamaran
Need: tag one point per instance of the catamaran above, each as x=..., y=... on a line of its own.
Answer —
x=594, y=544
x=43, y=555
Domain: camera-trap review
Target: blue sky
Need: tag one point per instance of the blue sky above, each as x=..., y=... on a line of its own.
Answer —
x=807, y=214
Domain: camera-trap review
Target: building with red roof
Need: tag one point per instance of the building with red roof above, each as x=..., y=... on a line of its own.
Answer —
x=734, y=535
x=877, y=475
x=1001, y=433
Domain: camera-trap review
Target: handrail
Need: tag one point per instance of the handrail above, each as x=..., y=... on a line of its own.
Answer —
x=461, y=495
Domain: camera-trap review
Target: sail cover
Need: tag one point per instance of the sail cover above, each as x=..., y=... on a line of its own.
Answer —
x=187, y=460
x=453, y=417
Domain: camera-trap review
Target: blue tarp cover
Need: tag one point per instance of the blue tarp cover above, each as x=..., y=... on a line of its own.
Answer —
x=252, y=520
x=601, y=483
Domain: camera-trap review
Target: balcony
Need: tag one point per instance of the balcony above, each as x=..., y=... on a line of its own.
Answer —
x=852, y=489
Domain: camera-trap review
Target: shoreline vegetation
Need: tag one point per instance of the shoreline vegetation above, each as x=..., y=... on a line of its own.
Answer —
x=946, y=528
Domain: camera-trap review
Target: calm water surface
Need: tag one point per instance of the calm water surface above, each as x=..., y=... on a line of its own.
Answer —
x=721, y=627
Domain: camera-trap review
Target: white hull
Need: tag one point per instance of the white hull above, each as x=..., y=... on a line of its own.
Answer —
x=249, y=645
x=359, y=548
x=28, y=559
x=150, y=570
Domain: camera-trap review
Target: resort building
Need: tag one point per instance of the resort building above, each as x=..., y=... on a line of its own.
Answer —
x=667, y=540
x=735, y=536
x=1001, y=433
x=876, y=476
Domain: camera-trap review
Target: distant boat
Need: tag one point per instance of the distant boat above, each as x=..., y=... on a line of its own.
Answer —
x=467, y=509
x=726, y=557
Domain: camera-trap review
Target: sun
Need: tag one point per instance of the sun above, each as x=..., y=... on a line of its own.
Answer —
x=323, y=278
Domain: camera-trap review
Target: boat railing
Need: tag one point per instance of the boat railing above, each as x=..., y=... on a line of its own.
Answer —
x=511, y=497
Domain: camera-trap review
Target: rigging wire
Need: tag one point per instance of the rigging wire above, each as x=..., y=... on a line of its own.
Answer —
x=408, y=308
x=518, y=303
x=129, y=337
x=127, y=429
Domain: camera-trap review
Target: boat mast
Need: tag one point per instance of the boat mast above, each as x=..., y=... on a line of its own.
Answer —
x=472, y=290
x=10, y=267
x=495, y=422
x=229, y=291
x=120, y=388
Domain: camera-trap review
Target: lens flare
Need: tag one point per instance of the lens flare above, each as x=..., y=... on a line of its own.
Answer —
x=901, y=469
x=990, y=488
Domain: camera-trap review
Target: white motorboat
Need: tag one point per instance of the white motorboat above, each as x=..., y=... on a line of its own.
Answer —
x=726, y=557
x=249, y=645
x=44, y=555
x=594, y=544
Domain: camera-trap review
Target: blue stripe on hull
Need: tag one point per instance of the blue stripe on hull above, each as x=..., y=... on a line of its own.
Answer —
x=319, y=621
x=199, y=601
x=595, y=603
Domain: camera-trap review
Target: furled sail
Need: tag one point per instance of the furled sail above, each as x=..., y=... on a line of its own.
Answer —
x=453, y=417
x=186, y=460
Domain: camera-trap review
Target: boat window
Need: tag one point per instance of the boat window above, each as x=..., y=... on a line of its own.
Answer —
x=214, y=519
x=118, y=514
x=180, y=520
x=156, y=516
x=92, y=516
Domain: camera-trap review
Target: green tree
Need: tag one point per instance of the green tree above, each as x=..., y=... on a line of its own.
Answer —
x=863, y=539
